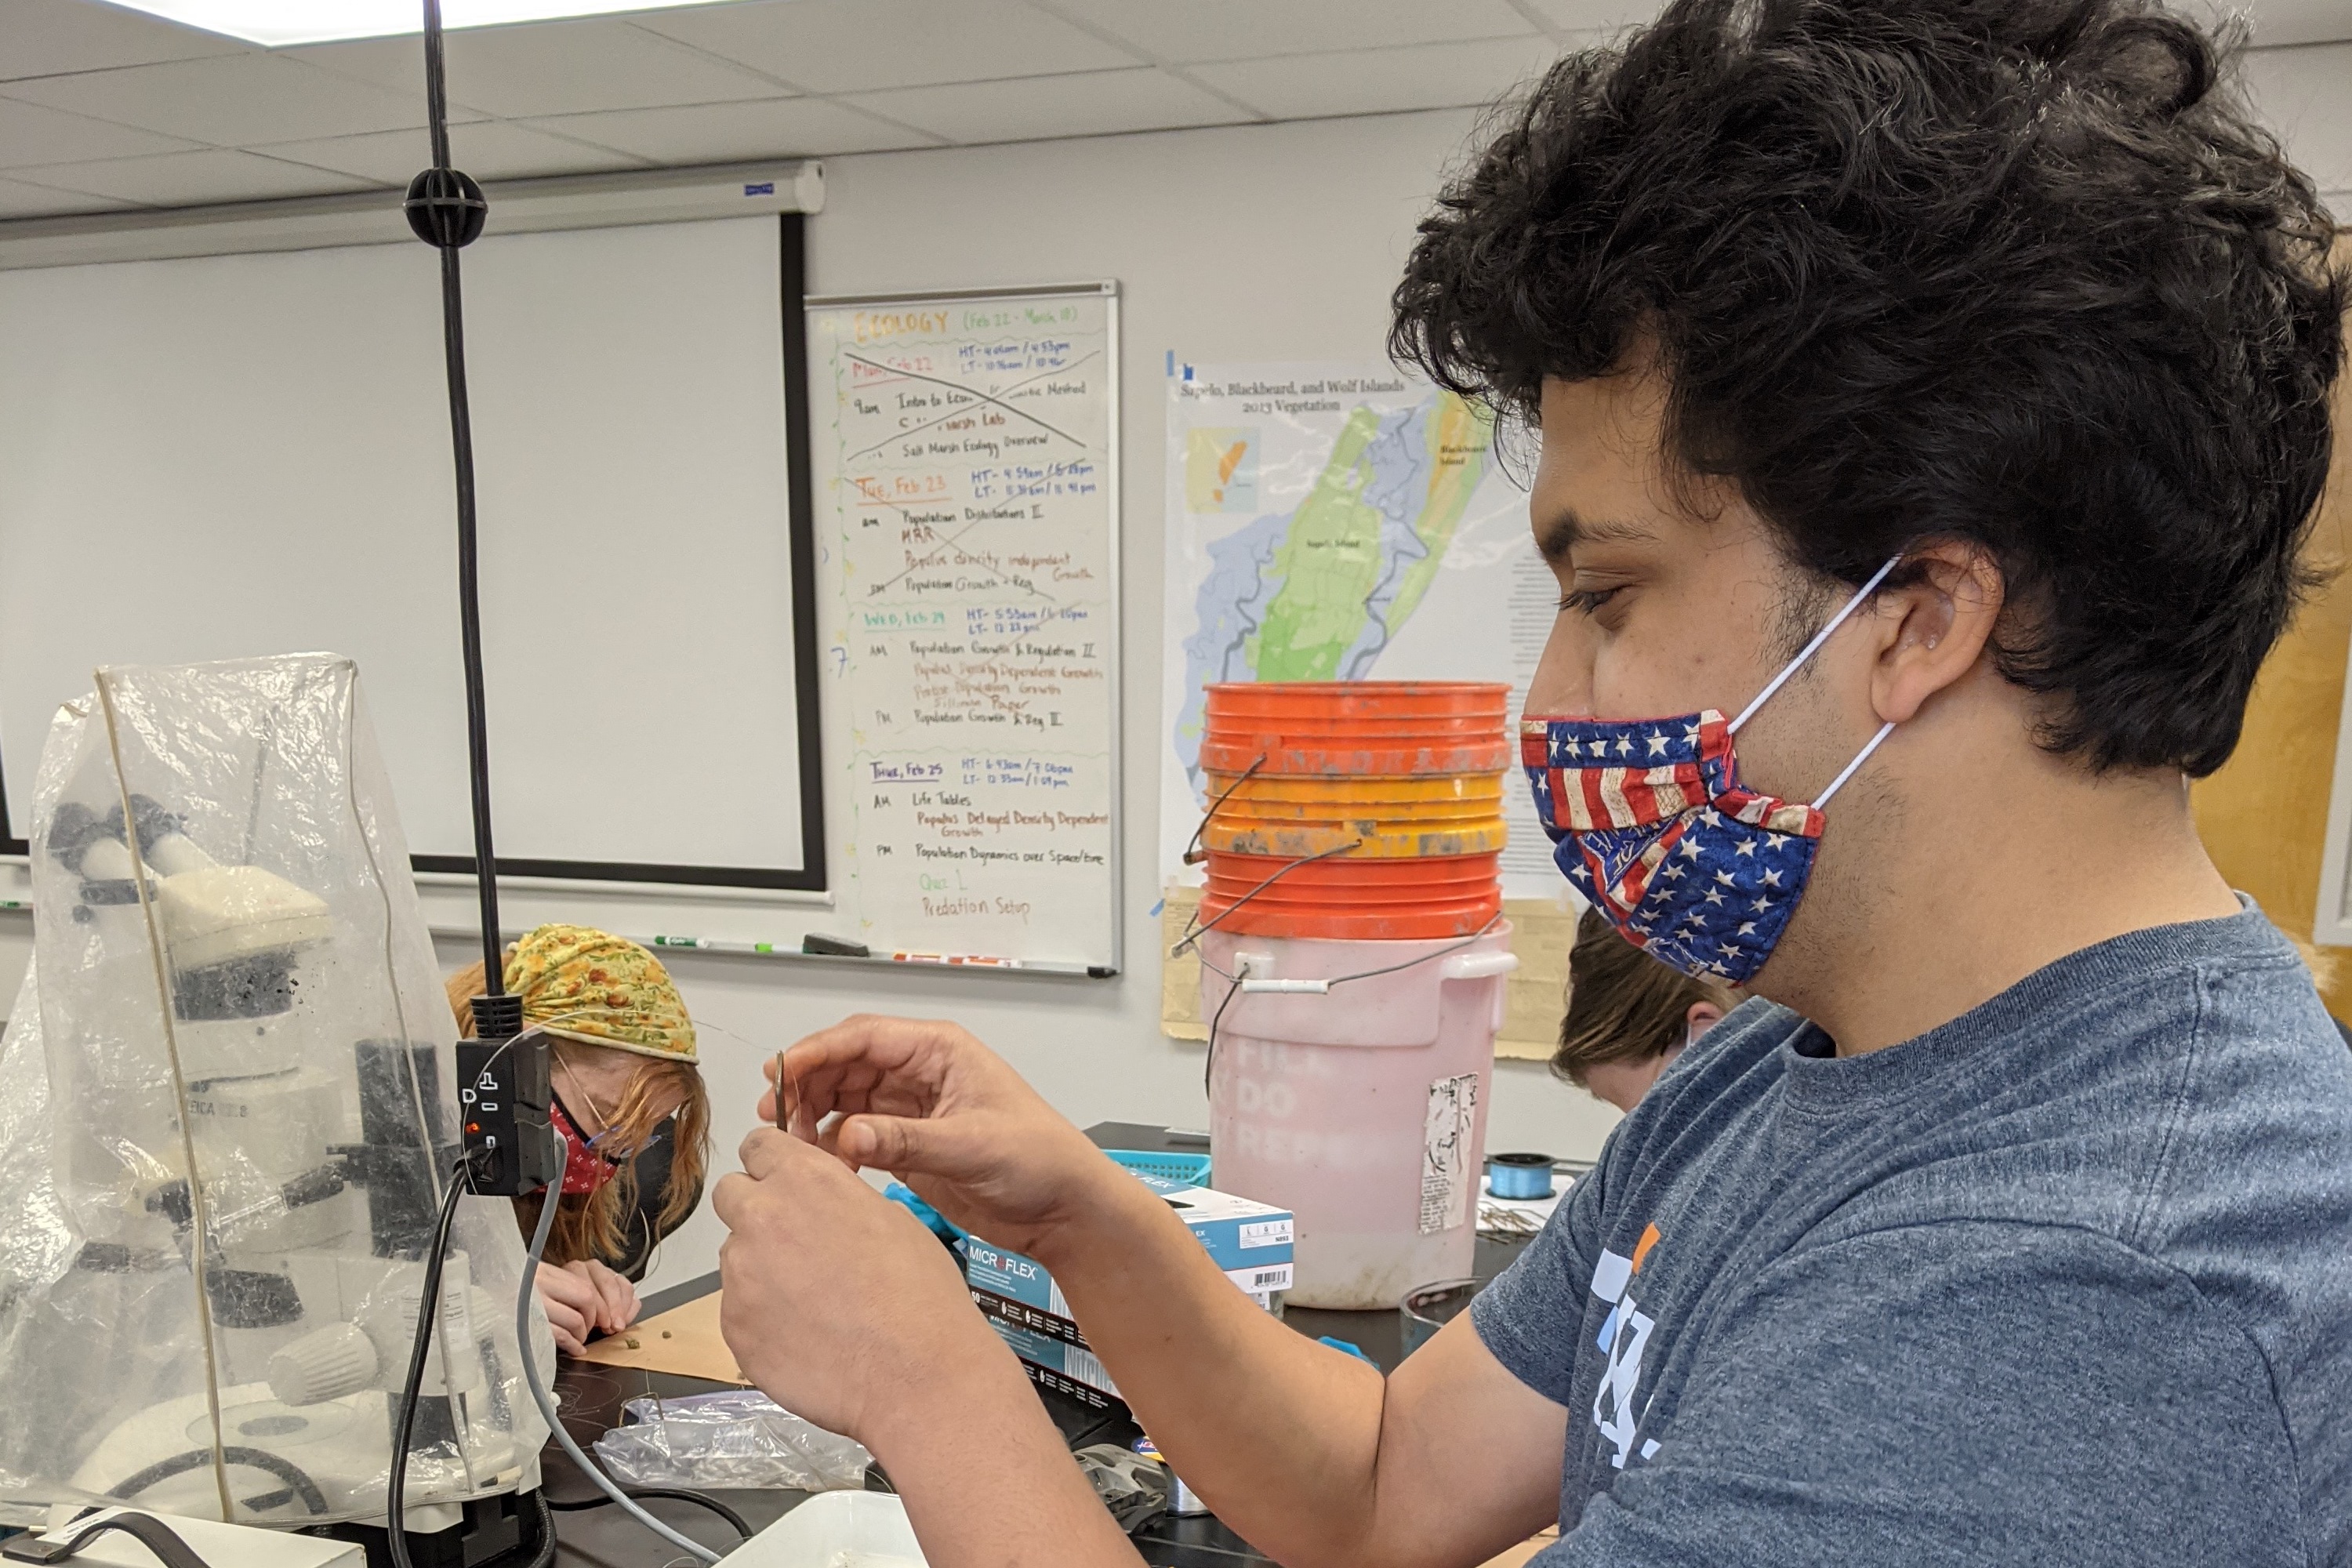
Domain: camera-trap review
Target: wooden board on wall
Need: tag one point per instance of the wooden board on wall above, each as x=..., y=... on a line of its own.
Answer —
x=2263, y=816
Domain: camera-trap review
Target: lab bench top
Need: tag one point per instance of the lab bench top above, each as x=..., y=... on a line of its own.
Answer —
x=589, y=1397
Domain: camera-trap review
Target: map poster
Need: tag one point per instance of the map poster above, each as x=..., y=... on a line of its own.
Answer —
x=1340, y=523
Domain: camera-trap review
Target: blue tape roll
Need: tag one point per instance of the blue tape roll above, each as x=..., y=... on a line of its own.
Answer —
x=1519, y=1176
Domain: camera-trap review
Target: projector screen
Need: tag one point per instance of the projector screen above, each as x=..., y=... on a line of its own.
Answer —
x=230, y=456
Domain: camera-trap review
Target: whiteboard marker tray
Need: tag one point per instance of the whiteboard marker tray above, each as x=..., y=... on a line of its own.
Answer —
x=835, y=1529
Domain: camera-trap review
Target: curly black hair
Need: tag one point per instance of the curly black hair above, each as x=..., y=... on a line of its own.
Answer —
x=2021, y=272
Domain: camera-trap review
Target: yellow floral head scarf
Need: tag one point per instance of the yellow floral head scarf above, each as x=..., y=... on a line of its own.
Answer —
x=589, y=985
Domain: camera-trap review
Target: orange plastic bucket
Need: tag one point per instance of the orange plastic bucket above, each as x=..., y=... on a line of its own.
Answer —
x=1479, y=831
x=1261, y=796
x=1397, y=784
x=1359, y=729
x=1421, y=922
x=1348, y=899
x=1342, y=877
x=1308, y=757
x=1360, y=707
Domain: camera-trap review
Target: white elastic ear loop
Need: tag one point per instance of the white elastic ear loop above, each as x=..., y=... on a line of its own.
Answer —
x=1807, y=652
x=1860, y=757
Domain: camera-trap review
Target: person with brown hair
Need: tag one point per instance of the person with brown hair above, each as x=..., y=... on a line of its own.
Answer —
x=1628, y=1015
x=1930, y=402
x=631, y=1106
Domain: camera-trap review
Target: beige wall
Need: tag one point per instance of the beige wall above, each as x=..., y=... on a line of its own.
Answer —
x=2265, y=815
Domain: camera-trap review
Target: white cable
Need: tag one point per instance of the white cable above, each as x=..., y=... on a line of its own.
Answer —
x=588, y=1467
x=1860, y=757
x=1814, y=646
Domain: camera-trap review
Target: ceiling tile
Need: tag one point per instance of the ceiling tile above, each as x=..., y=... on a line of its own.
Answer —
x=395, y=65
x=20, y=200
x=549, y=67
x=30, y=133
x=489, y=149
x=1096, y=103
x=44, y=37
x=233, y=100
x=1374, y=81
x=1246, y=29
x=715, y=132
x=193, y=179
x=851, y=46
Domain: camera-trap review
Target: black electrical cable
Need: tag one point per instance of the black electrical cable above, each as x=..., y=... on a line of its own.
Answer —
x=145, y=1529
x=545, y=1556
x=446, y=210
x=741, y=1526
x=428, y=1309
x=163, y=1470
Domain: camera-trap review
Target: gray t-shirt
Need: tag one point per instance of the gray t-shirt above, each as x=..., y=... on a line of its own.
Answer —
x=2067, y=1280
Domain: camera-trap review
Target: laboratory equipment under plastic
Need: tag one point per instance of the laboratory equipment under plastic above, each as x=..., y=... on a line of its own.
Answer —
x=231, y=1120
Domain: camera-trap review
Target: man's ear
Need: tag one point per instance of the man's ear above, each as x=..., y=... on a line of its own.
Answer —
x=1934, y=627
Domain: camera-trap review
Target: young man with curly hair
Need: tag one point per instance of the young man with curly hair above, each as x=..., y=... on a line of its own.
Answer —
x=1933, y=399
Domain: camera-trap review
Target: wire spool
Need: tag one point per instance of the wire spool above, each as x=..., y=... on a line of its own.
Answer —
x=1519, y=1176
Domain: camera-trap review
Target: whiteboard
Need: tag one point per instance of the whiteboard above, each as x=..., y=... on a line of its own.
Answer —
x=229, y=456
x=965, y=466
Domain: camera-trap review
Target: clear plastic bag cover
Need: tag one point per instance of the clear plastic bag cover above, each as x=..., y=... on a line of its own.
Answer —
x=735, y=1438
x=230, y=1114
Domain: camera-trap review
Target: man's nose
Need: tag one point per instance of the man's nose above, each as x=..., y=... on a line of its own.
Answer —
x=1562, y=684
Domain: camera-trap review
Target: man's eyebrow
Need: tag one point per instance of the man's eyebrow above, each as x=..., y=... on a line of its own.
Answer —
x=1566, y=531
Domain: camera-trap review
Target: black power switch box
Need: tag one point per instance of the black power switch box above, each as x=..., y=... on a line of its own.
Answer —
x=502, y=1099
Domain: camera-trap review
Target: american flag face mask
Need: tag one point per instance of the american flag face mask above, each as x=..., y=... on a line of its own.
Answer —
x=1649, y=820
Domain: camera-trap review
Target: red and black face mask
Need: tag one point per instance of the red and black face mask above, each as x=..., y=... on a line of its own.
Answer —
x=584, y=1169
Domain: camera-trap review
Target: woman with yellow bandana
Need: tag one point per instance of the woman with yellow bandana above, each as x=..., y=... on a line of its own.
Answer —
x=630, y=1102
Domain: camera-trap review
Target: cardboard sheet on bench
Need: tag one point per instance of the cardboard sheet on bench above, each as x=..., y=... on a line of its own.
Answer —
x=683, y=1342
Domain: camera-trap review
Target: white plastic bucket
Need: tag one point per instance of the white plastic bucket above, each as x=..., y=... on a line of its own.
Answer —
x=1360, y=1108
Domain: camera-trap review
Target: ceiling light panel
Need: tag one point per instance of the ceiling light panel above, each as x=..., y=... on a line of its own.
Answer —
x=279, y=22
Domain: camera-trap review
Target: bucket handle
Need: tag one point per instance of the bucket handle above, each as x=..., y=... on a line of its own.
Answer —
x=1477, y=965
x=1193, y=853
x=1455, y=963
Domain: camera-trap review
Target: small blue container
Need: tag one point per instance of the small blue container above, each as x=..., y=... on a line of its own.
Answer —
x=1193, y=1170
x=1519, y=1176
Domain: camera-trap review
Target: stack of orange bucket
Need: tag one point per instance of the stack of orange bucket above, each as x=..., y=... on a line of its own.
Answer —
x=1354, y=810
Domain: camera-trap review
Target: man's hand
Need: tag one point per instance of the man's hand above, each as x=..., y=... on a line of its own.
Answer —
x=837, y=1301
x=930, y=1104
x=843, y=1309
x=585, y=1298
